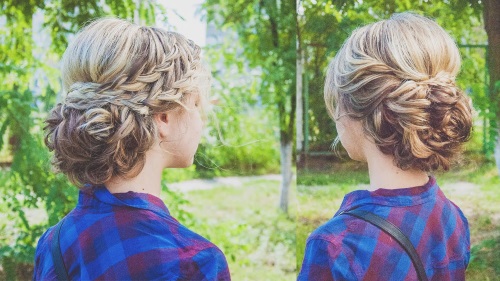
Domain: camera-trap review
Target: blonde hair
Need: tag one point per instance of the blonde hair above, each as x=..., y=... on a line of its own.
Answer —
x=116, y=76
x=397, y=77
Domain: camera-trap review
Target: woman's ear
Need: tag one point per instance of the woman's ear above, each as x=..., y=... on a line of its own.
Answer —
x=162, y=121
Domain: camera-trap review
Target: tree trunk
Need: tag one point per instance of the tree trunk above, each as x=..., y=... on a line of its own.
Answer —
x=300, y=106
x=286, y=147
x=299, y=16
x=491, y=14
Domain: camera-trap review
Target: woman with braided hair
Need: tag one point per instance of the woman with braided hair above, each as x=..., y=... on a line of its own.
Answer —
x=134, y=105
x=391, y=91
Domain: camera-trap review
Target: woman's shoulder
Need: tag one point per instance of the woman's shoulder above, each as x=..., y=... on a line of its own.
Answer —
x=43, y=264
x=172, y=250
x=125, y=223
x=335, y=229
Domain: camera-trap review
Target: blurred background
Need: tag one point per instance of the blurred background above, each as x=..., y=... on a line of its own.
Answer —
x=239, y=192
x=325, y=176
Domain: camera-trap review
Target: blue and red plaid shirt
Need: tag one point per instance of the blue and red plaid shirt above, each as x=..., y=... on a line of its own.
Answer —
x=348, y=248
x=128, y=236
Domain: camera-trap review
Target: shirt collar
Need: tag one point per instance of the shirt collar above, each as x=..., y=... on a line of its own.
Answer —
x=392, y=197
x=90, y=194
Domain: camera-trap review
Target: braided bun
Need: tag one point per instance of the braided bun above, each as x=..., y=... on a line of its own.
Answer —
x=398, y=77
x=117, y=75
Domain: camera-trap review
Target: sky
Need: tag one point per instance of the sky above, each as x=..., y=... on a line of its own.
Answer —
x=190, y=25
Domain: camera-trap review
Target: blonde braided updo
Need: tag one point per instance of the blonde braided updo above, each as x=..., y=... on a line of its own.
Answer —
x=397, y=77
x=116, y=76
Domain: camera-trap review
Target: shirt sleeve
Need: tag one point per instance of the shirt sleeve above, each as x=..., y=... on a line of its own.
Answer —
x=43, y=265
x=37, y=271
x=208, y=264
x=324, y=260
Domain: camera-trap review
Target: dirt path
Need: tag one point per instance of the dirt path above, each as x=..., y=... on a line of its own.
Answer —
x=461, y=194
x=484, y=222
x=202, y=184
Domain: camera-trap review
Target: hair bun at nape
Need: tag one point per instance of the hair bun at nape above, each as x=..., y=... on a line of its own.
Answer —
x=450, y=111
x=97, y=137
x=95, y=128
x=432, y=133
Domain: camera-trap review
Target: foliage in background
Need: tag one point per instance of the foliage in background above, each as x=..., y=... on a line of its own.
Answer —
x=242, y=135
x=267, y=31
x=29, y=183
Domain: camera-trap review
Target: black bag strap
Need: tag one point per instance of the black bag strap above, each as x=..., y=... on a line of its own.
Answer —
x=55, y=250
x=395, y=233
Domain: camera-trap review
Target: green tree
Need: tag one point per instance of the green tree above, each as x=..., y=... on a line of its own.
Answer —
x=323, y=27
x=267, y=32
x=242, y=138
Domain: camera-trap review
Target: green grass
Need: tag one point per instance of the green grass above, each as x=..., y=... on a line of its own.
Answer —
x=485, y=260
x=246, y=223
x=320, y=195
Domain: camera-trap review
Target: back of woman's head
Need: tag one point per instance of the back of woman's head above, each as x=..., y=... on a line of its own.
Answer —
x=116, y=76
x=397, y=77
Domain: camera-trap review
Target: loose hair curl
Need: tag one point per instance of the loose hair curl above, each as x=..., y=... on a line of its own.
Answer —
x=397, y=77
x=116, y=76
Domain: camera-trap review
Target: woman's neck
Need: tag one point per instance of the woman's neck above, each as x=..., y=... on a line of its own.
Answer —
x=147, y=181
x=385, y=174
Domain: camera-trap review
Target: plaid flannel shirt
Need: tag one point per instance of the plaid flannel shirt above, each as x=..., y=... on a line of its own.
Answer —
x=128, y=236
x=348, y=248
